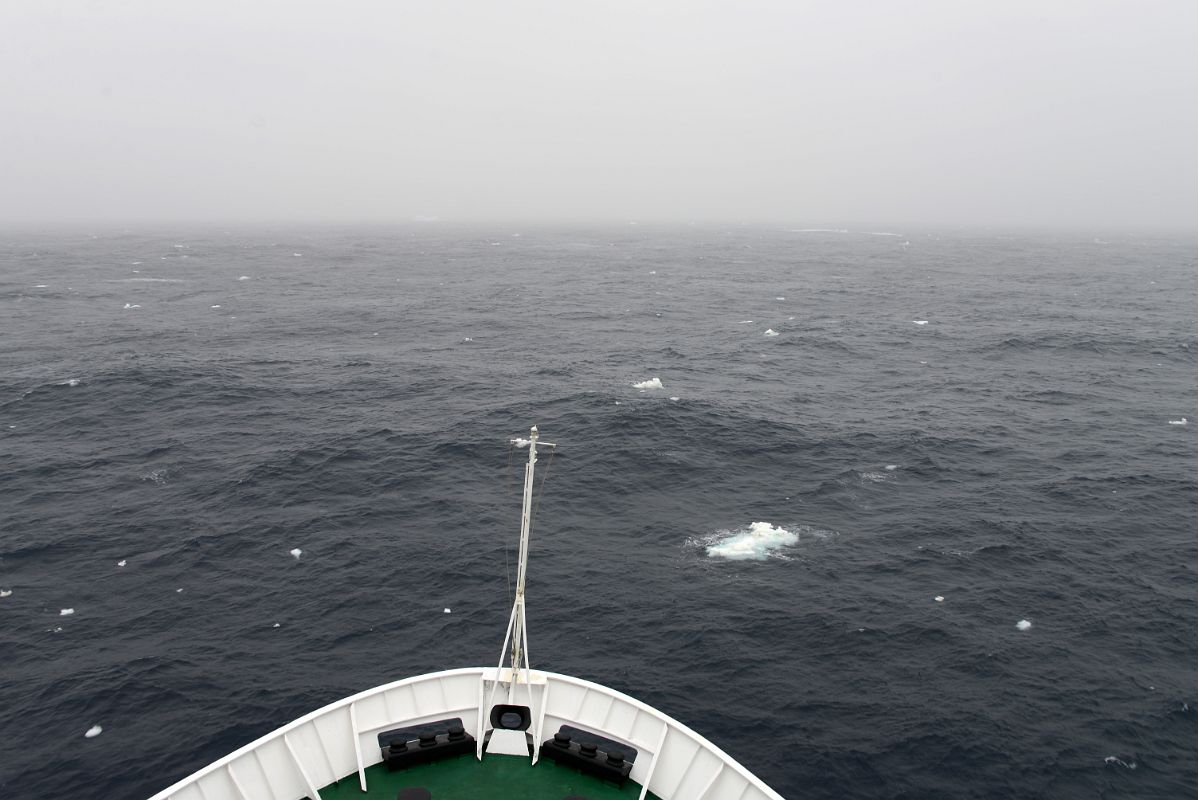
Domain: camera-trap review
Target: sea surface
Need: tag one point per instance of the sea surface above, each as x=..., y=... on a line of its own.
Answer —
x=936, y=538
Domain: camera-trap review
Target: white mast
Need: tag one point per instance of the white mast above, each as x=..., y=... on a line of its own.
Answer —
x=517, y=631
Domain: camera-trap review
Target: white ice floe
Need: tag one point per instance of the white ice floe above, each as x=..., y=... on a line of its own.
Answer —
x=296, y=553
x=1023, y=624
x=178, y=591
x=891, y=467
x=132, y=305
x=652, y=383
x=675, y=399
x=5, y=592
x=214, y=306
x=467, y=339
x=753, y=544
x=745, y=322
x=93, y=731
x=920, y=321
x=779, y=298
x=1182, y=421
x=275, y=625
x=770, y=332
x=244, y=278
x=42, y=286
x=652, y=272
x=122, y=563
x=297, y=255
x=446, y=611
x=939, y=598
x=66, y=612
x=71, y=382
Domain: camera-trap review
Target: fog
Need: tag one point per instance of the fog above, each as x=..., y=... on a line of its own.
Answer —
x=1053, y=113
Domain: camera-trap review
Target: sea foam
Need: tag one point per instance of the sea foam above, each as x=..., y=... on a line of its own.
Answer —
x=753, y=544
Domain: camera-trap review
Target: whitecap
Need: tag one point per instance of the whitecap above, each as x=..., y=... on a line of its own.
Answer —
x=93, y=731
x=752, y=544
x=467, y=339
x=275, y=625
x=770, y=332
x=1182, y=421
x=920, y=321
x=652, y=383
x=296, y=553
x=1023, y=624
x=66, y=612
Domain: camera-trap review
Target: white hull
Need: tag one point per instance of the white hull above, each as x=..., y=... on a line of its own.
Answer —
x=339, y=740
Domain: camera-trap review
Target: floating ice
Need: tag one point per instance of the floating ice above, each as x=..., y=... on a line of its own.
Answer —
x=178, y=591
x=891, y=467
x=214, y=306
x=770, y=332
x=5, y=592
x=132, y=305
x=1182, y=421
x=779, y=298
x=446, y=611
x=1023, y=624
x=42, y=286
x=652, y=383
x=71, y=382
x=939, y=598
x=920, y=321
x=467, y=339
x=675, y=399
x=745, y=322
x=753, y=544
x=296, y=553
x=1119, y=762
x=244, y=278
x=66, y=612
x=652, y=272
x=93, y=731
x=122, y=563
x=297, y=255
x=275, y=625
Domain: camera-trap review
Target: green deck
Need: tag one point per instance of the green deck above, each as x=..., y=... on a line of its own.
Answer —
x=494, y=778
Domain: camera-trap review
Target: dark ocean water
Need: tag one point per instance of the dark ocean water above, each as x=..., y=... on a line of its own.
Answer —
x=354, y=394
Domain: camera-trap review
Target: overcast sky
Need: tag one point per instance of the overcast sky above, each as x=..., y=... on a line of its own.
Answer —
x=1055, y=112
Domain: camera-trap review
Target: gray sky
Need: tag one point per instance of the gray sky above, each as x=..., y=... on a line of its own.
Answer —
x=1053, y=112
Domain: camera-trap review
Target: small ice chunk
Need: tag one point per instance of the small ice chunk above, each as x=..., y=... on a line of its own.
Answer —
x=244, y=278
x=939, y=598
x=770, y=332
x=178, y=591
x=1182, y=421
x=122, y=563
x=5, y=592
x=93, y=731
x=132, y=305
x=214, y=306
x=275, y=625
x=41, y=286
x=1023, y=624
x=779, y=298
x=891, y=467
x=920, y=321
x=446, y=611
x=675, y=399
x=71, y=382
x=652, y=383
x=745, y=322
x=467, y=339
x=296, y=553
x=66, y=612
x=652, y=272
x=297, y=255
